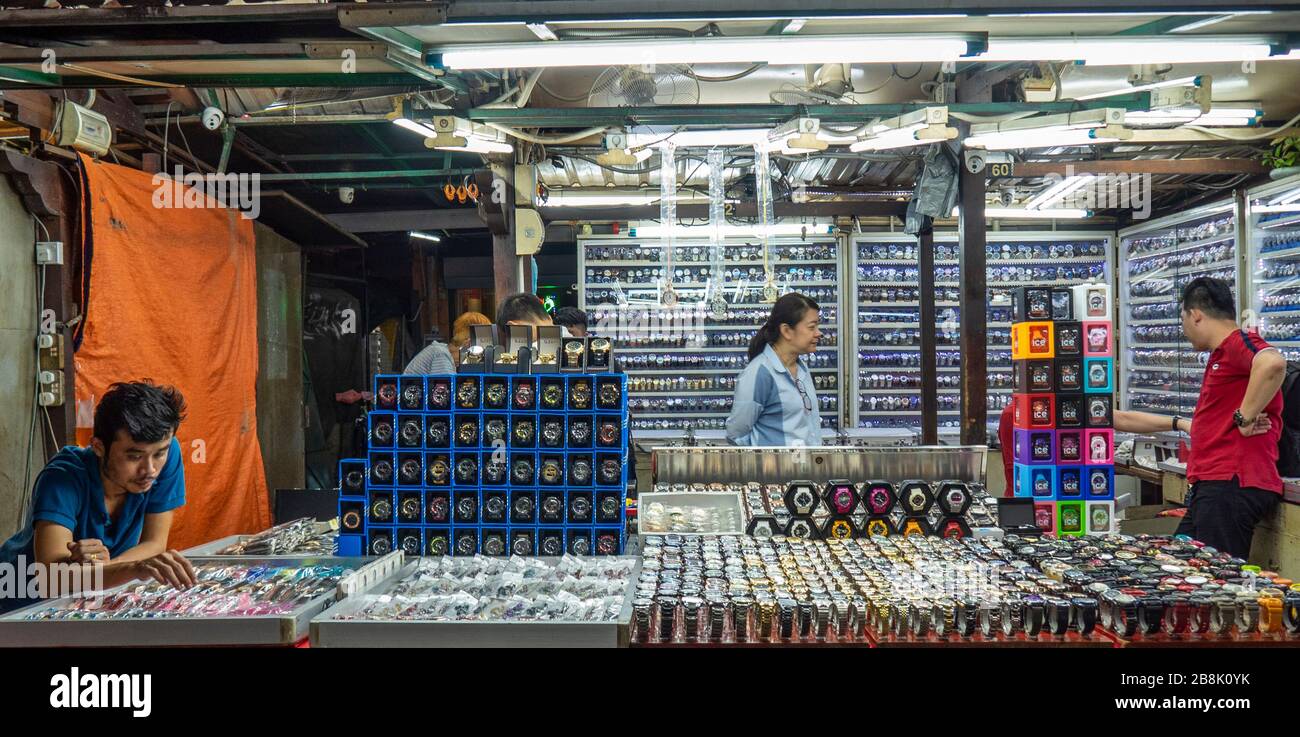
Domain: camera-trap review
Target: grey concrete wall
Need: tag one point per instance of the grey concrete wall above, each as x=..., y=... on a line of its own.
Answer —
x=279, y=351
x=17, y=356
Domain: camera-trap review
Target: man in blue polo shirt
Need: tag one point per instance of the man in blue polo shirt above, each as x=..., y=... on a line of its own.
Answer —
x=110, y=505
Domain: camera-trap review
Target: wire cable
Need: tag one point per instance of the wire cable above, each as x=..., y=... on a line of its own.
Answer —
x=688, y=71
x=548, y=140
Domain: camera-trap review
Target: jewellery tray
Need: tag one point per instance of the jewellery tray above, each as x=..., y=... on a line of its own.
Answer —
x=328, y=631
x=719, y=500
x=213, y=549
x=274, y=629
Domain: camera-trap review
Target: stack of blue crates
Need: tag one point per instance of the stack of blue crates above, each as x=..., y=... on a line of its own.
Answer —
x=490, y=464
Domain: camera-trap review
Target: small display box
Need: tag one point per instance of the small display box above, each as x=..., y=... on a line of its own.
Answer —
x=514, y=356
x=476, y=354
x=546, y=357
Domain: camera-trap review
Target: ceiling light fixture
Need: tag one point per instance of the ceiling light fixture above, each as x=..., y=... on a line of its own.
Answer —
x=917, y=128
x=800, y=50
x=1180, y=82
x=1102, y=51
x=1058, y=192
x=1084, y=128
x=424, y=236
x=1060, y=213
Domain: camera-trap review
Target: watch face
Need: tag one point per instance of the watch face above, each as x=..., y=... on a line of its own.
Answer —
x=1042, y=377
x=436, y=437
x=1100, y=483
x=552, y=395
x=496, y=395
x=523, y=545
x=580, y=472
x=879, y=501
x=522, y=472
x=1070, y=521
x=840, y=529
x=440, y=396
x=552, y=434
x=580, y=546
x=411, y=433
x=606, y=544
x=1042, y=448
x=494, y=507
x=438, y=545
x=354, y=480
x=411, y=399
x=381, y=546
x=381, y=471
x=495, y=431
x=801, y=528
x=465, y=544
x=608, y=434
x=466, y=509
x=467, y=394
x=1038, y=339
x=1097, y=338
x=878, y=528
x=438, y=472
x=351, y=520
x=1069, y=412
x=1038, y=306
x=1096, y=304
x=381, y=510
x=916, y=500
x=609, y=507
x=1041, y=411
x=1096, y=375
x=494, y=473
x=1098, y=446
x=466, y=470
x=410, y=509
x=383, y=432
x=580, y=396
x=1099, y=519
x=467, y=433
x=439, y=507
x=842, y=500
x=387, y=396
x=610, y=472
x=551, y=472
x=580, y=509
x=552, y=507
x=411, y=544
x=552, y=546
x=1042, y=485
x=803, y=501
x=524, y=396
x=579, y=432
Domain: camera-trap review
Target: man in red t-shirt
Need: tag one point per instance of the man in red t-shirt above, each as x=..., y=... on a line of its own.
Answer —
x=1006, y=424
x=1236, y=425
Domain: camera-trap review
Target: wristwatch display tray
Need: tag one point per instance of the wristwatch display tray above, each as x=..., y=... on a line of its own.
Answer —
x=1207, y=640
x=276, y=629
x=1098, y=639
x=213, y=549
x=328, y=631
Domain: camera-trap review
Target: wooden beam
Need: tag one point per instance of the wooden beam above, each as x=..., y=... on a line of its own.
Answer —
x=1135, y=166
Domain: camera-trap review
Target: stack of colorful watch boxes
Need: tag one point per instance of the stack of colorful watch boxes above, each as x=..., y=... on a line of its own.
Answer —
x=490, y=464
x=1062, y=351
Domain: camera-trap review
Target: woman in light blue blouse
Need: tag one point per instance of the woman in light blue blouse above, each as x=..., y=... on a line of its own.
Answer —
x=775, y=403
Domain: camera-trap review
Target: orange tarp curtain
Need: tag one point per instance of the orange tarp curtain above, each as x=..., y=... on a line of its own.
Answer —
x=170, y=294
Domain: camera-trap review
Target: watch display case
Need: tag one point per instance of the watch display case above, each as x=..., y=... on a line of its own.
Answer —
x=537, y=466
x=1161, y=372
x=886, y=310
x=1273, y=277
x=682, y=361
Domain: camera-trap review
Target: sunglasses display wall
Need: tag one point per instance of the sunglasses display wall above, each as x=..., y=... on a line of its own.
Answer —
x=1162, y=373
x=682, y=360
x=886, y=309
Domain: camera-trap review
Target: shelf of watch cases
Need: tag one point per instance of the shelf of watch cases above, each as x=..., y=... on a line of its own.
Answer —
x=701, y=285
x=1166, y=250
x=1279, y=222
x=1182, y=270
x=1280, y=253
x=1139, y=343
x=708, y=264
x=622, y=350
x=1074, y=261
x=731, y=371
x=1154, y=299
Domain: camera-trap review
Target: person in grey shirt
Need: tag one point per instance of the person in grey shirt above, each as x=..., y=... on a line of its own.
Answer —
x=435, y=358
x=775, y=402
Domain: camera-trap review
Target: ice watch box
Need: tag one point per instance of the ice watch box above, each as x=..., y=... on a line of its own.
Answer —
x=1034, y=411
x=1032, y=340
x=1045, y=517
x=1036, y=482
x=1067, y=375
x=1099, y=482
x=1092, y=302
x=1099, y=447
x=1034, y=447
x=1070, y=519
x=1098, y=375
x=1099, y=517
x=1099, y=410
x=1067, y=339
x=1070, y=482
x=1016, y=516
x=1035, y=376
x=1031, y=303
x=1097, y=338
x=1069, y=410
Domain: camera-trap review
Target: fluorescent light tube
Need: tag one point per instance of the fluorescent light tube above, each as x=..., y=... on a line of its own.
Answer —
x=684, y=231
x=473, y=144
x=800, y=50
x=1060, y=213
x=578, y=198
x=1015, y=139
x=1130, y=51
x=914, y=136
x=1058, y=191
x=415, y=127
x=424, y=236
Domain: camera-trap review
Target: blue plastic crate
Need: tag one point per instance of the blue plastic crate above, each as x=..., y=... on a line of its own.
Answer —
x=410, y=430
x=350, y=545
x=410, y=394
x=515, y=383
x=437, y=430
x=579, y=540
x=465, y=540
x=385, y=398
x=580, y=469
x=438, y=476
x=550, y=540
x=435, y=533
x=609, y=541
x=523, y=506
x=386, y=437
x=352, y=477
x=494, y=506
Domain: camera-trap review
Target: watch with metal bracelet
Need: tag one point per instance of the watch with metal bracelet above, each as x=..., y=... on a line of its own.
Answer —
x=920, y=615
x=942, y=616
x=1012, y=616
x=990, y=613
x=966, y=617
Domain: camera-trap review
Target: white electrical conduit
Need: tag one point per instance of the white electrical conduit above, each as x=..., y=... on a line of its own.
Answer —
x=547, y=140
x=524, y=94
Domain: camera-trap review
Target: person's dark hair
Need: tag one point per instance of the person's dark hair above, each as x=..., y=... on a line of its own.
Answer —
x=790, y=310
x=146, y=411
x=520, y=306
x=1211, y=296
x=570, y=316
